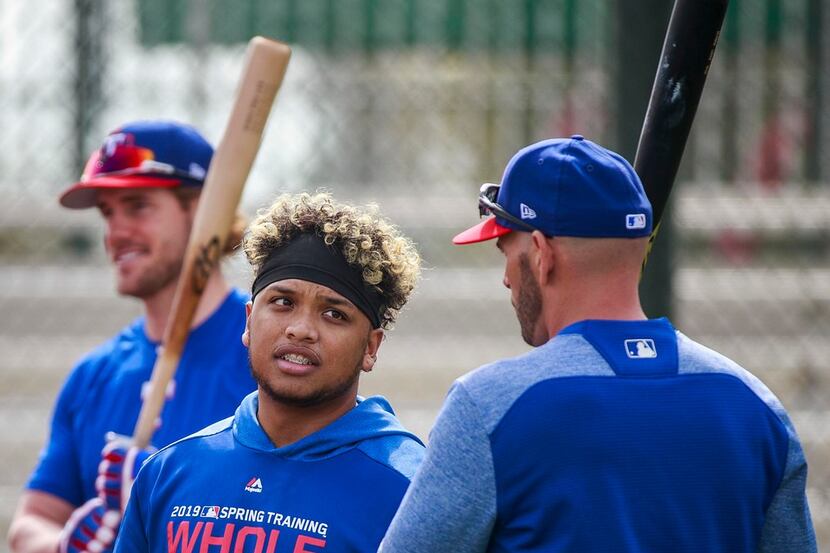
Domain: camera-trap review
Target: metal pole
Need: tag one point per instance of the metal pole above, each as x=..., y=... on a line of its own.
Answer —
x=198, y=32
x=638, y=39
x=89, y=74
x=818, y=57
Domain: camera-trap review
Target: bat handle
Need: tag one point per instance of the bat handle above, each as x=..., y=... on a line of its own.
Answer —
x=153, y=403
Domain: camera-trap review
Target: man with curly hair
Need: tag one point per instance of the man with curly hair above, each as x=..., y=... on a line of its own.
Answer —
x=305, y=464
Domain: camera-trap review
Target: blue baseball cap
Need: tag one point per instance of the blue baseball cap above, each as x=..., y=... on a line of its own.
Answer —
x=564, y=187
x=143, y=154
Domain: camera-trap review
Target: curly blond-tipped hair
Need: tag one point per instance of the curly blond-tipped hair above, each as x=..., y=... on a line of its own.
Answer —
x=389, y=261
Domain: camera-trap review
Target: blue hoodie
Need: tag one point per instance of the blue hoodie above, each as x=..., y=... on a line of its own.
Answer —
x=228, y=489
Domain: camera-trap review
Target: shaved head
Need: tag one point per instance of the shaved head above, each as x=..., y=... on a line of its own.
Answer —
x=598, y=256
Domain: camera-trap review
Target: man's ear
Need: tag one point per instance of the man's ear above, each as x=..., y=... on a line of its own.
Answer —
x=542, y=261
x=370, y=355
x=246, y=334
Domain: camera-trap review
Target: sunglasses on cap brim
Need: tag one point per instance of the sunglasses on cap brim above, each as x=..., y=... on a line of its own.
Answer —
x=146, y=168
x=487, y=206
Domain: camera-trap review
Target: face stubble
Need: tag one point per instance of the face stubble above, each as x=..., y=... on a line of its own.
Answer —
x=319, y=396
x=529, y=302
x=164, y=270
x=161, y=274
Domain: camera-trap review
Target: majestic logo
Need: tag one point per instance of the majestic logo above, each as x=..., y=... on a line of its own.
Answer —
x=526, y=212
x=635, y=221
x=640, y=348
x=254, y=485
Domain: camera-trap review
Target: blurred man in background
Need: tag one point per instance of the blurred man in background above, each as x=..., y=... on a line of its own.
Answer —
x=145, y=181
x=617, y=433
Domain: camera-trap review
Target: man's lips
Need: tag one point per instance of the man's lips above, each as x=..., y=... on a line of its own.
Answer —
x=296, y=360
x=126, y=256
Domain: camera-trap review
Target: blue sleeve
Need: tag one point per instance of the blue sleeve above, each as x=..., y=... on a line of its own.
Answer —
x=787, y=526
x=451, y=504
x=58, y=469
x=132, y=537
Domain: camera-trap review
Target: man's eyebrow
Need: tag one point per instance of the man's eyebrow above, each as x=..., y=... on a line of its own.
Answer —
x=276, y=287
x=133, y=196
x=334, y=300
x=126, y=198
x=327, y=298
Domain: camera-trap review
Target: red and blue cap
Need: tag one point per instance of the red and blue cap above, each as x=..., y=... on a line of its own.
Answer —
x=564, y=187
x=143, y=154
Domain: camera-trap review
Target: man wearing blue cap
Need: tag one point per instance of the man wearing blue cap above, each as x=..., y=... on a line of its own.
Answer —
x=145, y=181
x=616, y=433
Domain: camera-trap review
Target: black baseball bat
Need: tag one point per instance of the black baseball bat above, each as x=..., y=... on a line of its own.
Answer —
x=691, y=37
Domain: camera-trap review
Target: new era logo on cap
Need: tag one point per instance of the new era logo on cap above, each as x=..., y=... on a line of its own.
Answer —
x=575, y=187
x=526, y=212
x=197, y=171
x=640, y=348
x=635, y=221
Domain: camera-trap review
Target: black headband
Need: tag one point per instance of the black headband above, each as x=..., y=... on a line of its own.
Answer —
x=307, y=257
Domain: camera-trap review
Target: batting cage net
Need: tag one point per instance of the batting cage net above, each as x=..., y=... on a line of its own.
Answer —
x=412, y=104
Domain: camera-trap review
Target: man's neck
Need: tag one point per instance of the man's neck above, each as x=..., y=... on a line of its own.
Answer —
x=285, y=424
x=157, y=308
x=581, y=303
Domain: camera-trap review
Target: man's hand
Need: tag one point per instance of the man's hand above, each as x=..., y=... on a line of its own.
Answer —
x=91, y=529
x=120, y=461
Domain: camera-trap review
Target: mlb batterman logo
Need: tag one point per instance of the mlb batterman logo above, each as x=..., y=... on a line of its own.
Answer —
x=640, y=348
x=634, y=221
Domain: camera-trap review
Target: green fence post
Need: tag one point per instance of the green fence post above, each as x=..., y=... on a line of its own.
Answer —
x=89, y=73
x=638, y=40
x=729, y=112
x=816, y=137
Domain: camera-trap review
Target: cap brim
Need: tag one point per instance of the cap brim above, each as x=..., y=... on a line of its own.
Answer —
x=485, y=230
x=82, y=195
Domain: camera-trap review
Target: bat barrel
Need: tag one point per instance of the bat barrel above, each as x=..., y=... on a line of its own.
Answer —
x=694, y=28
x=265, y=66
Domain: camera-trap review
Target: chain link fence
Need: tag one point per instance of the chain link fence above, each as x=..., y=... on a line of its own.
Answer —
x=412, y=104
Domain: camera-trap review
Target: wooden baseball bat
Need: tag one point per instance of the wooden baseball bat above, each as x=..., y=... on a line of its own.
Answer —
x=689, y=46
x=265, y=65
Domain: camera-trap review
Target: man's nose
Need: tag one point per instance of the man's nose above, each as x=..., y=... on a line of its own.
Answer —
x=301, y=329
x=117, y=228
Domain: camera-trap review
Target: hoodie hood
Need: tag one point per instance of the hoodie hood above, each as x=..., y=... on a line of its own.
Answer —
x=371, y=419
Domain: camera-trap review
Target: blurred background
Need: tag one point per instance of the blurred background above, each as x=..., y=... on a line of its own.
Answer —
x=412, y=104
